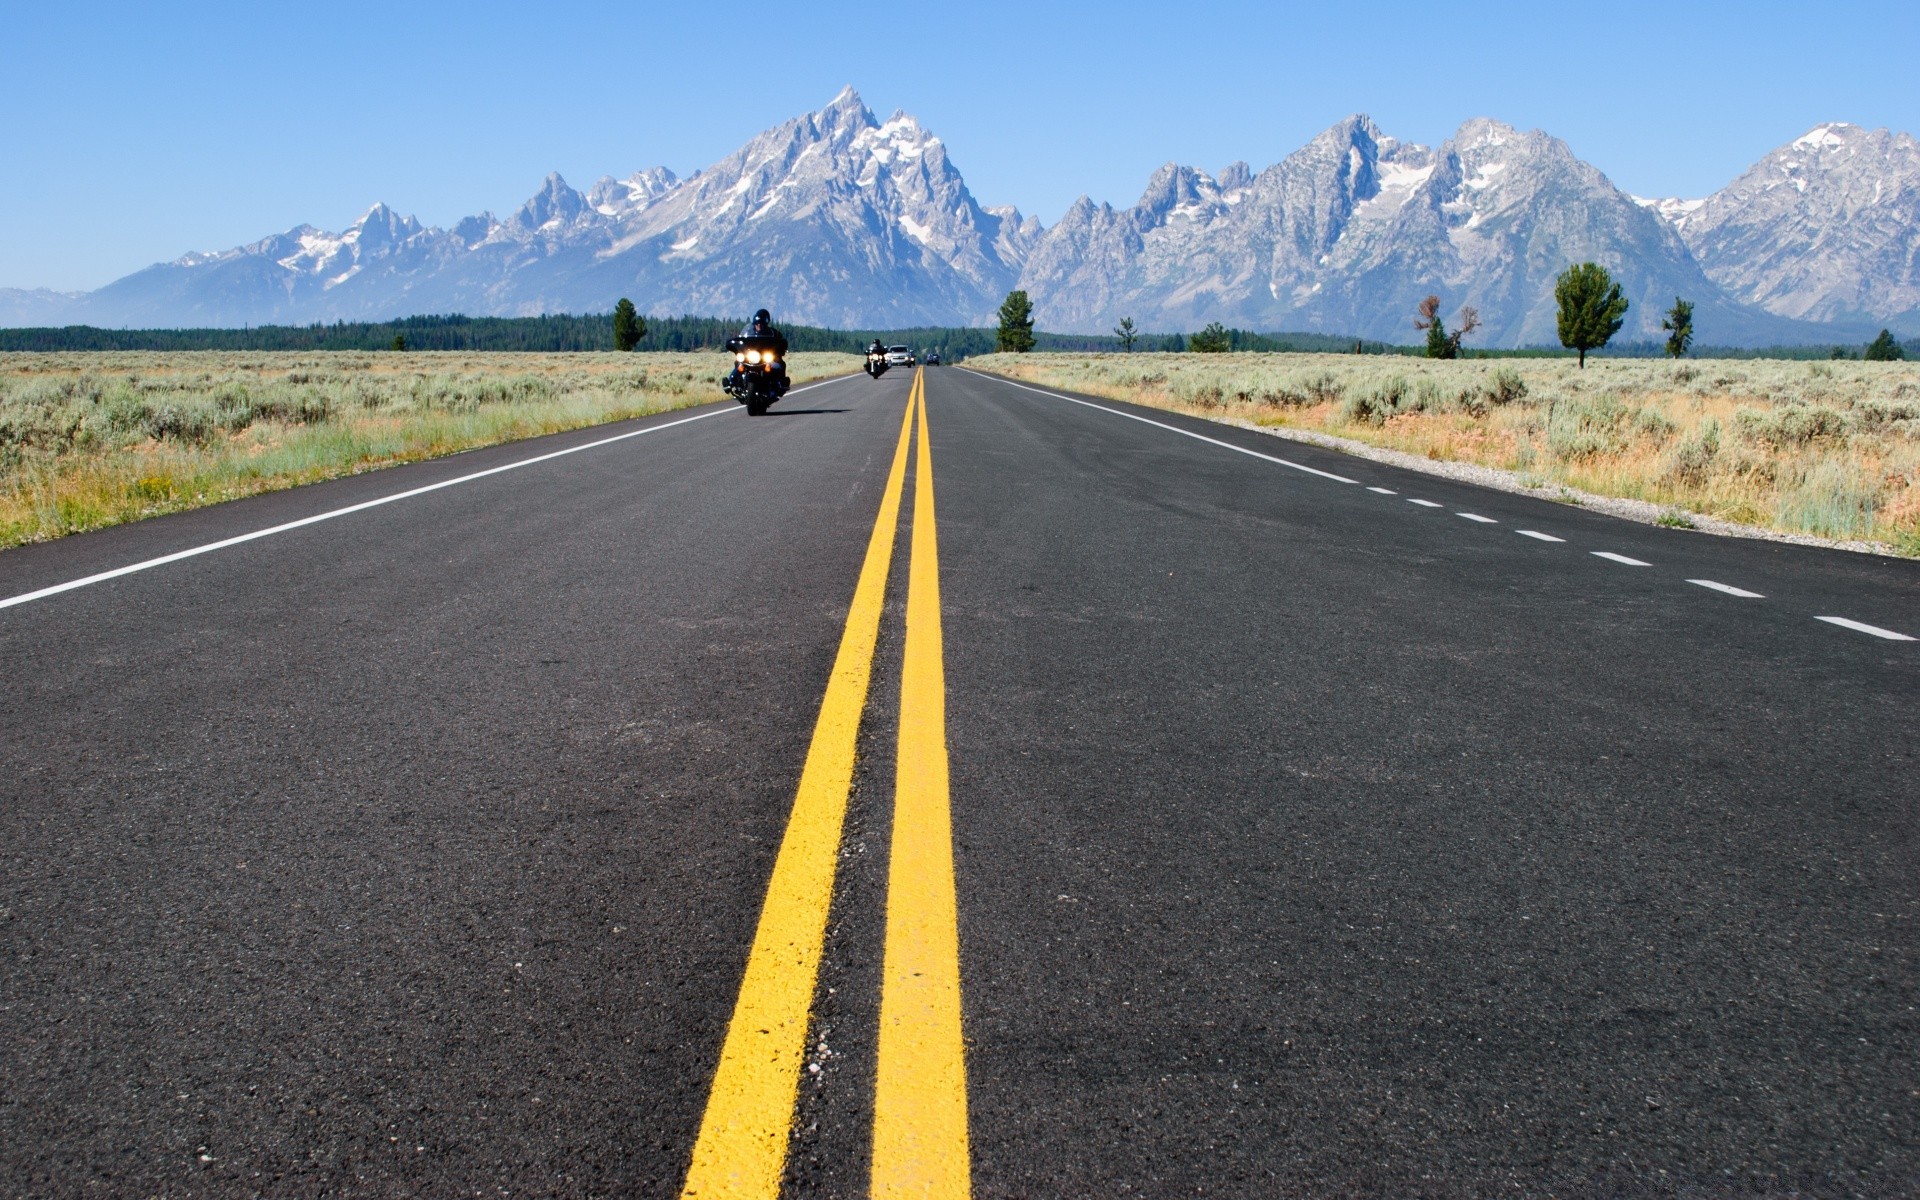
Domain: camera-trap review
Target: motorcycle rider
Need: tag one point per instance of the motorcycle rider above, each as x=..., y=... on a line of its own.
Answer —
x=759, y=333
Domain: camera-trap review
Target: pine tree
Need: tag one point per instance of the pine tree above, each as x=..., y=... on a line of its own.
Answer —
x=1429, y=320
x=1679, y=327
x=1591, y=307
x=1126, y=333
x=1214, y=339
x=1016, y=324
x=628, y=325
x=399, y=341
x=1884, y=348
x=1440, y=343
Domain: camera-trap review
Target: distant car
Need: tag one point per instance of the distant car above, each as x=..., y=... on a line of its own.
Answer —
x=933, y=358
x=899, y=356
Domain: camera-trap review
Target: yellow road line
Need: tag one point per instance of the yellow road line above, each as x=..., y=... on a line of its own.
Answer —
x=920, y=1096
x=742, y=1147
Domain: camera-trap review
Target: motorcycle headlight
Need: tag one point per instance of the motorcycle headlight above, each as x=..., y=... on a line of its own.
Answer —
x=753, y=356
x=739, y=358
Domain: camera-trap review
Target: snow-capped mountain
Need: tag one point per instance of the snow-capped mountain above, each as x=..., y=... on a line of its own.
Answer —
x=1826, y=228
x=833, y=218
x=1350, y=232
x=838, y=218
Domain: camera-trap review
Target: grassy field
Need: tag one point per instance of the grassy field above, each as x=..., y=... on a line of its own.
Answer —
x=94, y=439
x=1831, y=449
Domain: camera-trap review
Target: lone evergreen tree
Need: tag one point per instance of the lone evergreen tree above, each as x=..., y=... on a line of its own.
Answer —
x=399, y=341
x=1126, y=333
x=1440, y=343
x=1436, y=332
x=1884, y=348
x=628, y=325
x=1016, y=324
x=1679, y=326
x=1591, y=307
x=1214, y=339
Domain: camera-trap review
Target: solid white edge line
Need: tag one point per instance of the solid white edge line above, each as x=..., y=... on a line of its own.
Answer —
x=210, y=547
x=1478, y=517
x=1425, y=503
x=1619, y=558
x=1198, y=437
x=1534, y=533
x=1729, y=589
x=1859, y=627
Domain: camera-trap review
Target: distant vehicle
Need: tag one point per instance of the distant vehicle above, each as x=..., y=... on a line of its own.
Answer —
x=933, y=358
x=876, y=359
x=899, y=356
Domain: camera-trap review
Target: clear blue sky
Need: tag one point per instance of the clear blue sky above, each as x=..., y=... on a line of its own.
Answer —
x=137, y=132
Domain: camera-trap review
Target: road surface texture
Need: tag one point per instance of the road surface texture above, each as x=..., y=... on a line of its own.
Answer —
x=1314, y=828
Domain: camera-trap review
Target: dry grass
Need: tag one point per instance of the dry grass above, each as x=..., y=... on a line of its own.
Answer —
x=1831, y=449
x=95, y=439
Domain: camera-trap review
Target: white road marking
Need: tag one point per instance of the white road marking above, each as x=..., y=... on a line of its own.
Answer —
x=1743, y=593
x=1384, y=491
x=1478, y=517
x=1620, y=558
x=210, y=547
x=1423, y=503
x=1875, y=630
x=1198, y=437
x=1538, y=536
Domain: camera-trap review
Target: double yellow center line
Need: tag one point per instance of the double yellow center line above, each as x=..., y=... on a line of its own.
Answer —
x=920, y=1100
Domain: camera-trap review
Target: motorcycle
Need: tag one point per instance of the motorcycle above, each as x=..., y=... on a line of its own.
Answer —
x=759, y=377
x=876, y=363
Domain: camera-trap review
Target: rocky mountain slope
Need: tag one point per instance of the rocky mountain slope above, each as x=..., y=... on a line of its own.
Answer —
x=1826, y=228
x=839, y=218
x=1351, y=231
x=833, y=218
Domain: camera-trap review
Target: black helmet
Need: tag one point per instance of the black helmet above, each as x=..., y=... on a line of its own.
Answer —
x=763, y=317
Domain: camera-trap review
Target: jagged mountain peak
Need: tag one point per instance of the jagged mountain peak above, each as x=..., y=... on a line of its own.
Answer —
x=555, y=204
x=839, y=217
x=1825, y=227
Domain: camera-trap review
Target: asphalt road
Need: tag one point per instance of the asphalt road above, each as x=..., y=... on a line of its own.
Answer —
x=1306, y=840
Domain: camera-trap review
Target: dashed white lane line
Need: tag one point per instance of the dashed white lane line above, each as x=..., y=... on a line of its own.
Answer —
x=1198, y=437
x=1729, y=589
x=1858, y=627
x=1609, y=555
x=210, y=547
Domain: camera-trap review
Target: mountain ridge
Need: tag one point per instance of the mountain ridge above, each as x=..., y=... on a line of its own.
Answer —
x=838, y=218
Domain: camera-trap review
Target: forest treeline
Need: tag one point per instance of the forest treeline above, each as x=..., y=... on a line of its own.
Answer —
x=594, y=332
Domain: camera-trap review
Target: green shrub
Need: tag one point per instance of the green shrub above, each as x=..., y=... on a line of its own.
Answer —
x=1832, y=499
x=1580, y=429
x=1690, y=461
x=1791, y=426
x=1505, y=386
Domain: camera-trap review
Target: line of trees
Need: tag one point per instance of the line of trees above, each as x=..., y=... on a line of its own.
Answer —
x=1587, y=322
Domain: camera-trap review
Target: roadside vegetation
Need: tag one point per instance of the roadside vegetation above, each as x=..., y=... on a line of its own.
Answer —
x=95, y=439
x=1825, y=448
